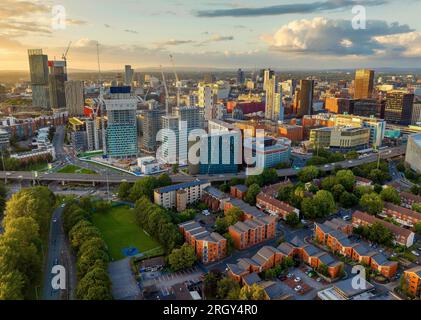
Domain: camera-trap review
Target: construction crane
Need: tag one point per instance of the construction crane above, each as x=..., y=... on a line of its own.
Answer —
x=177, y=80
x=166, y=90
x=64, y=56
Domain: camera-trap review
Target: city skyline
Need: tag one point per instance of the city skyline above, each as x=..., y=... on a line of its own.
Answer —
x=304, y=35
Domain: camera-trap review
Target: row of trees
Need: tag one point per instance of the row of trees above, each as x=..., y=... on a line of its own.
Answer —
x=156, y=221
x=142, y=187
x=90, y=249
x=26, y=225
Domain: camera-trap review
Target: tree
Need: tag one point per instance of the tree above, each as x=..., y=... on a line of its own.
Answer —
x=210, y=284
x=379, y=234
x=254, y=179
x=230, y=243
x=269, y=176
x=163, y=180
x=317, y=161
x=187, y=215
x=321, y=205
x=417, y=228
x=359, y=191
x=284, y=193
x=329, y=182
x=378, y=176
x=416, y=207
x=337, y=191
x=372, y=203
x=233, y=215
x=81, y=232
x=323, y=270
x=3, y=194
x=35, y=202
x=143, y=187
x=124, y=190
x=309, y=173
x=348, y=200
x=253, y=292
x=175, y=168
x=221, y=225
x=96, y=277
x=182, y=258
x=346, y=178
x=351, y=155
x=390, y=194
x=227, y=289
x=292, y=219
x=11, y=285
x=251, y=194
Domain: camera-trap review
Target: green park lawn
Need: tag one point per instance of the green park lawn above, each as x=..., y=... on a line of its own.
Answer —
x=70, y=168
x=120, y=230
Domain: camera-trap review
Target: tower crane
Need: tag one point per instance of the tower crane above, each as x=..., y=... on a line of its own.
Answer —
x=64, y=56
x=177, y=80
x=166, y=90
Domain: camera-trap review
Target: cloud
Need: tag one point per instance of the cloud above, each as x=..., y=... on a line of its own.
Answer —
x=172, y=42
x=324, y=36
x=218, y=37
x=106, y=25
x=300, y=8
x=405, y=45
x=20, y=18
x=131, y=31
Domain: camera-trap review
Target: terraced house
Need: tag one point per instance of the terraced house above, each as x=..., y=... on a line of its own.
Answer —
x=402, y=236
x=404, y=216
x=408, y=199
x=338, y=242
x=250, y=232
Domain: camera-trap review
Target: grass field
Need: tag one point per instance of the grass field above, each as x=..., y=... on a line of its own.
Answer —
x=120, y=230
x=71, y=168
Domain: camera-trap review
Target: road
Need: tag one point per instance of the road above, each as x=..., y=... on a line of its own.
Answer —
x=58, y=254
x=179, y=178
x=64, y=157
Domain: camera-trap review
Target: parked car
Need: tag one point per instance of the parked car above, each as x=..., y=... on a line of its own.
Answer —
x=298, y=288
x=297, y=279
x=346, y=218
x=290, y=275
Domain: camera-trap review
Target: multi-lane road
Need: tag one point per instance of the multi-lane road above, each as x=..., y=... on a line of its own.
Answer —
x=178, y=178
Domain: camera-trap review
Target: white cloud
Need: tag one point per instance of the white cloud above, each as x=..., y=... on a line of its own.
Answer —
x=332, y=37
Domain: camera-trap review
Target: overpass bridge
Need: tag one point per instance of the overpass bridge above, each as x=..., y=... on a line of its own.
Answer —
x=178, y=178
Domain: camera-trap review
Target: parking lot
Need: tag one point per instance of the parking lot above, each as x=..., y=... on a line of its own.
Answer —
x=307, y=286
x=164, y=281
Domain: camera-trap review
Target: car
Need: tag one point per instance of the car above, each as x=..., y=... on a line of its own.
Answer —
x=346, y=218
x=63, y=205
x=415, y=253
x=56, y=261
x=290, y=275
x=297, y=279
x=319, y=279
x=298, y=288
x=54, y=220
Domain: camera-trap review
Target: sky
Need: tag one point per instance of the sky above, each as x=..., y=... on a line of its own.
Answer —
x=281, y=34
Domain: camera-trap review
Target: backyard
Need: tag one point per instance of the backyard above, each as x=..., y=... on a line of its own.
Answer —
x=120, y=232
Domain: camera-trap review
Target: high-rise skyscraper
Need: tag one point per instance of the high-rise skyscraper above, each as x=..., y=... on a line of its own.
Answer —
x=267, y=75
x=206, y=100
x=121, y=109
x=273, y=103
x=38, y=68
x=152, y=123
x=363, y=84
x=56, y=79
x=74, y=92
x=399, y=107
x=128, y=75
x=303, y=104
x=240, y=77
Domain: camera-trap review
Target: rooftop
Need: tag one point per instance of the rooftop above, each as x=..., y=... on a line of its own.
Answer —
x=179, y=186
